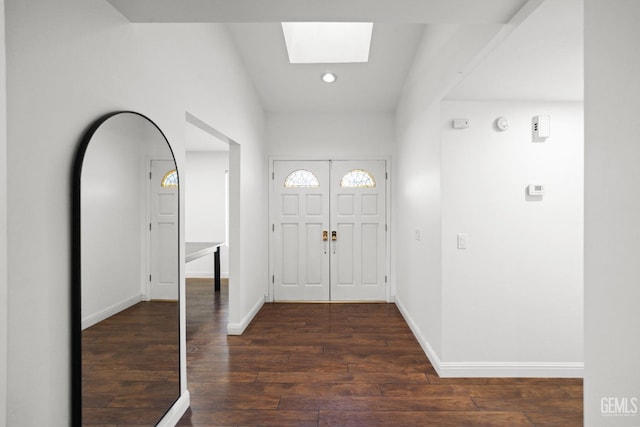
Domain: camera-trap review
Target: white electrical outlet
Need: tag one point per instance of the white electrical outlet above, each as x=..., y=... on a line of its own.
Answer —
x=462, y=241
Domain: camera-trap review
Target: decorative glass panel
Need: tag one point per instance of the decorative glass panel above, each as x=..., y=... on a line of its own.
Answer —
x=301, y=178
x=170, y=179
x=358, y=178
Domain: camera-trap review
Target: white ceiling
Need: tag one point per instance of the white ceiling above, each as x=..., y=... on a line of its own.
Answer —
x=540, y=59
x=372, y=86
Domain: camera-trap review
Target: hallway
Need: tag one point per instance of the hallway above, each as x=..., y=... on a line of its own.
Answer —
x=344, y=365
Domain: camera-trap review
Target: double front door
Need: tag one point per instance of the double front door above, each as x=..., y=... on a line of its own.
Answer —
x=329, y=231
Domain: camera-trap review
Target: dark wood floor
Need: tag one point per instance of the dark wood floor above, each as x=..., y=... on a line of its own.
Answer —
x=344, y=365
x=130, y=366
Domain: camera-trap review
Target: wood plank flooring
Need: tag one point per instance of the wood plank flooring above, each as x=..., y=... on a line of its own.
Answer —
x=130, y=366
x=344, y=365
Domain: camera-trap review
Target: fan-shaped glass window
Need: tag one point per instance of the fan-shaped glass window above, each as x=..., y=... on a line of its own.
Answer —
x=358, y=178
x=301, y=178
x=170, y=179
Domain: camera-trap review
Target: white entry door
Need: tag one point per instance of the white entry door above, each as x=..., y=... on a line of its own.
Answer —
x=301, y=230
x=164, y=275
x=358, y=217
x=329, y=230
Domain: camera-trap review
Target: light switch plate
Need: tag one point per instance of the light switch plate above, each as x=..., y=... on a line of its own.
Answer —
x=462, y=241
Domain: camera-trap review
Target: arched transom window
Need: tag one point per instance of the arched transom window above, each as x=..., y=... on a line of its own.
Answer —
x=301, y=178
x=358, y=178
x=170, y=179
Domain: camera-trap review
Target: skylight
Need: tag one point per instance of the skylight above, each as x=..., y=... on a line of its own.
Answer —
x=327, y=42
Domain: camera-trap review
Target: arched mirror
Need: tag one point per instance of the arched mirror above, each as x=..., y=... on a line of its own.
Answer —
x=125, y=291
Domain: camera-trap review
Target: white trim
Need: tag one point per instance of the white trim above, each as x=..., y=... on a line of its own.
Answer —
x=512, y=369
x=426, y=347
x=110, y=311
x=491, y=369
x=391, y=288
x=176, y=411
x=238, y=328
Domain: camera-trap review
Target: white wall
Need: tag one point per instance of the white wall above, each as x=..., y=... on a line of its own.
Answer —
x=512, y=301
x=417, y=206
x=325, y=135
x=3, y=224
x=205, y=206
x=68, y=63
x=612, y=209
x=333, y=136
x=443, y=53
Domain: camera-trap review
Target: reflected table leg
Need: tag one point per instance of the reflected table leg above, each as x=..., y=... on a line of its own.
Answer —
x=216, y=269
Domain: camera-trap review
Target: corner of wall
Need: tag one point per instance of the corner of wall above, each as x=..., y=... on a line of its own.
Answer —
x=426, y=346
x=4, y=304
x=177, y=410
x=238, y=328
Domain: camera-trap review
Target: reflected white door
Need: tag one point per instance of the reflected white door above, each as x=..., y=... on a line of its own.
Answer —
x=301, y=210
x=164, y=232
x=358, y=216
x=329, y=232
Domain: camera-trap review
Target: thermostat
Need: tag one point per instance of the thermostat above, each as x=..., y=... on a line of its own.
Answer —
x=535, y=189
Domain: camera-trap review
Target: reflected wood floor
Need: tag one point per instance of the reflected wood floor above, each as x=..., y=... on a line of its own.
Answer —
x=130, y=366
x=344, y=365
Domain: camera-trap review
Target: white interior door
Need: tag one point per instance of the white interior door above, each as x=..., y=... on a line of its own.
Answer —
x=329, y=231
x=163, y=231
x=358, y=217
x=301, y=218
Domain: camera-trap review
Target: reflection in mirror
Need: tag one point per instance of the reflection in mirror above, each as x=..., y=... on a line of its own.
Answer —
x=126, y=274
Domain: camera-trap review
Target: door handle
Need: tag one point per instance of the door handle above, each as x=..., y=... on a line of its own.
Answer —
x=325, y=239
x=334, y=237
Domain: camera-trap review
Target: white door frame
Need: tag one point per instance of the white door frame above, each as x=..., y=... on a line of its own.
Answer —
x=390, y=294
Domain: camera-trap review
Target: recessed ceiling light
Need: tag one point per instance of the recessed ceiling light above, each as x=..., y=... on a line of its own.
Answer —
x=329, y=77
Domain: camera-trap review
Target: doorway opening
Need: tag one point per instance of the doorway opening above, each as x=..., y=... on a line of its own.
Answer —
x=212, y=188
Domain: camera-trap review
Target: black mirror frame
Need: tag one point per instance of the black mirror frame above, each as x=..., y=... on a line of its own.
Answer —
x=76, y=264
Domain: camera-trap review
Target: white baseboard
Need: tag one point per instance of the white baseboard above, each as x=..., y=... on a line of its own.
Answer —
x=426, y=347
x=176, y=412
x=238, y=328
x=205, y=275
x=107, y=312
x=491, y=369
x=512, y=369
